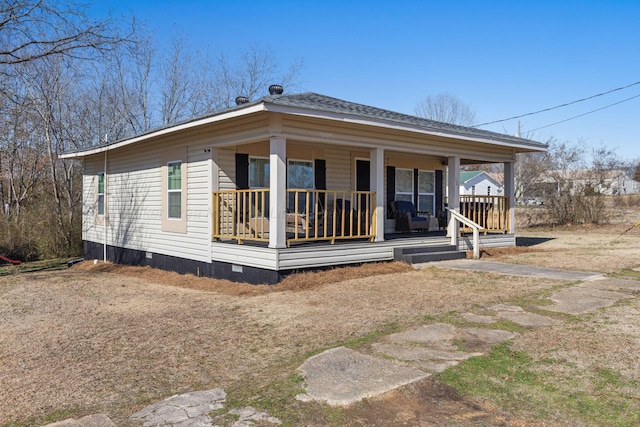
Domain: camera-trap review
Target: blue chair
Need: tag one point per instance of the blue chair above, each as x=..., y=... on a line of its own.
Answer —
x=407, y=218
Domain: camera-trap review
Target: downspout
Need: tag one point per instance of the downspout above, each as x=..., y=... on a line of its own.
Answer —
x=106, y=197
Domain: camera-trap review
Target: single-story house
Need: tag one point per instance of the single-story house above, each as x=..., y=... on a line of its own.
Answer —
x=479, y=183
x=289, y=182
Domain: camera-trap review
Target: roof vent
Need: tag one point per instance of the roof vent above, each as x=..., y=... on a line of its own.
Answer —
x=241, y=100
x=275, y=90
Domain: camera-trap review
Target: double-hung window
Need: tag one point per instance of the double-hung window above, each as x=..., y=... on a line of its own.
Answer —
x=404, y=185
x=174, y=190
x=426, y=191
x=101, y=193
x=258, y=172
x=300, y=176
x=421, y=192
x=259, y=177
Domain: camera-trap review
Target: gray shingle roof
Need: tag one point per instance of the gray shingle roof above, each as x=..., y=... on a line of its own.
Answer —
x=326, y=104
x=314, y=101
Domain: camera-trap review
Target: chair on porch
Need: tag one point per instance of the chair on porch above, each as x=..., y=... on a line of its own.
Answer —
x=407, y=218
x=305, y=223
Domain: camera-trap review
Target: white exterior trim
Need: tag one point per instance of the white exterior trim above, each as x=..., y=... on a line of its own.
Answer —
x=165, y=131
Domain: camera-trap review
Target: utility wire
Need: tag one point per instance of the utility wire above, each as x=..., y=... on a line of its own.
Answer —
x=560, y=106
x=584, y=114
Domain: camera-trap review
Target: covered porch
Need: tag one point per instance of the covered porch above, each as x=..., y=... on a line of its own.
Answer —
x=337, y=215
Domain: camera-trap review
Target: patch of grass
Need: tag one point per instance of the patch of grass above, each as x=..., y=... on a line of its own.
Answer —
x=389, y=328
x=628, y=274
x=278, y=399
x=53, y=417
x=546, y=389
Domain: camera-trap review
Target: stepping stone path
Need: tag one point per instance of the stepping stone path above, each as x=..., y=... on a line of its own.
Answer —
x=193, y=409
x=341, y=376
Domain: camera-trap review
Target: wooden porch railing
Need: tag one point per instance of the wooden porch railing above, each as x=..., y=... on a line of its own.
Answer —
x=490, y=212
x=312, y=215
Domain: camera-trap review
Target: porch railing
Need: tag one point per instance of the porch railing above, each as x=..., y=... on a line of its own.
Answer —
x=490, y=212
x=312, y=215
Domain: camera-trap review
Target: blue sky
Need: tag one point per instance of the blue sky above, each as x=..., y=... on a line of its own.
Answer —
x=503, y=58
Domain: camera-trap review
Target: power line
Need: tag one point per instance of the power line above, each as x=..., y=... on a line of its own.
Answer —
x=562, y=105
x=584, y=114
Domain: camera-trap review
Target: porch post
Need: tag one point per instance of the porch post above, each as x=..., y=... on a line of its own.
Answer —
x=277, y=192
x=376, y=172
x=453, y=186
x=510, y=193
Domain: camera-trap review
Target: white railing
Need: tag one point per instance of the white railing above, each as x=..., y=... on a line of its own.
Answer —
x=474, y=226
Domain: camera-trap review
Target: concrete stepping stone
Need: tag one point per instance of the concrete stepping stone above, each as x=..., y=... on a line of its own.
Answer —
x=183, y=410
x=476, y=318
x=611, y=284
x=341, y=376
x=250, y=414
x=435, y=332
x=421, y=353
x=528, y=320
x=435, y=366
x=98, y=420
x=485, y=337
x=504, y=307
x=579, y=300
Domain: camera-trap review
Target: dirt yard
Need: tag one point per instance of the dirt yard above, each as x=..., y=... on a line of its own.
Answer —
x=108, y=339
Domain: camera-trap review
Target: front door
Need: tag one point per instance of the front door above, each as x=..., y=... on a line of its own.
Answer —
x=363, y=181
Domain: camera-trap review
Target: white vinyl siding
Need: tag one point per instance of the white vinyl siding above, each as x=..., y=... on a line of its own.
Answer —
x=135, y=199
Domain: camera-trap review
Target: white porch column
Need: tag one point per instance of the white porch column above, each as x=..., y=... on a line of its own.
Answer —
x=277, y=193
x=376, y=172
x=510, y=193
x=453, y=186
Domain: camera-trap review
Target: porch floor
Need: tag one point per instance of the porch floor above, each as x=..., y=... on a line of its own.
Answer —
x=325, y=254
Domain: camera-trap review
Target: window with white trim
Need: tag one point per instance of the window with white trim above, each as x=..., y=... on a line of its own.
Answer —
x=300, y=176
x=174, y=190
x=426, y=191
x=404, y=185
x=100, y=193
x=259, y=172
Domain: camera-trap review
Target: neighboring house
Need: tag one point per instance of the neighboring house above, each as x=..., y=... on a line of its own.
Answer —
x=283, y=183
x=479, y=183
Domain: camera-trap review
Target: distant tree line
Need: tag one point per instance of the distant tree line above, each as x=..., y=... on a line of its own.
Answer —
x=68, y=82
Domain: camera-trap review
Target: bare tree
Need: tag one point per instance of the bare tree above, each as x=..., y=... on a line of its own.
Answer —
x=250, y=77
x=447, y=108
x=34, y=29
x=178, y=85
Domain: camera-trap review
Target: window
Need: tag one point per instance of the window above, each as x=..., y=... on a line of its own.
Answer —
x=101, y=193
x=473, y=190
x=424, y=199
x=258, y=172
x=426, y=191
x=174, y=190
x=300, y=176
x=174, y=174
x=404, y=185
x=488, y=190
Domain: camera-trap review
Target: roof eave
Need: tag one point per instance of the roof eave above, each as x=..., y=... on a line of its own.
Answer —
x=167, y=131
x=390, y=124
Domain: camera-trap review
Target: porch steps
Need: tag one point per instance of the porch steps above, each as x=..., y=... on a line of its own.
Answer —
x=415, y=255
